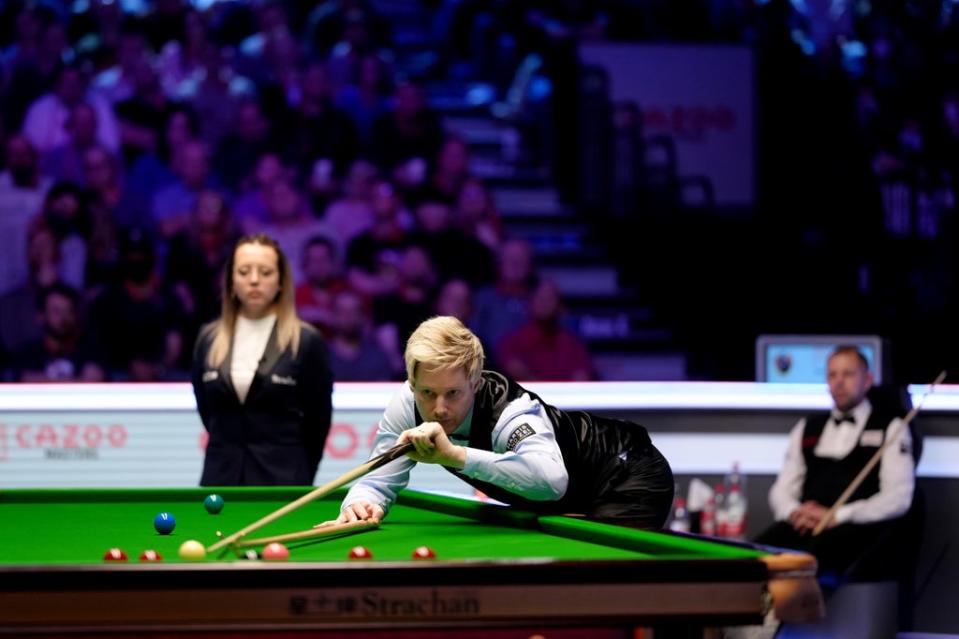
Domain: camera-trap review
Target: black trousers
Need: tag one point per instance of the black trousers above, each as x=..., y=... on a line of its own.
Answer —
x=836, y=549
x=634, y=489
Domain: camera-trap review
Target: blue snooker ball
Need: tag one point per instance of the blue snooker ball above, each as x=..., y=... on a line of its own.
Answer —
x=213, y=504
x=164, y=523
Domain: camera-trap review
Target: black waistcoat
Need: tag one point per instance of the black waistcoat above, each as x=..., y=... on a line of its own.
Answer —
x=587, y=442
x=827, y=478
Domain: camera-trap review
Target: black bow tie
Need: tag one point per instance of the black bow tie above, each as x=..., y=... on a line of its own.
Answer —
x=839, y=419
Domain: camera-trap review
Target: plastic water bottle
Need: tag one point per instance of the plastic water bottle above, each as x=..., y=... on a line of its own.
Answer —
x=735, y=504
x=707, y=518
x=719, y=505
x=680, y=520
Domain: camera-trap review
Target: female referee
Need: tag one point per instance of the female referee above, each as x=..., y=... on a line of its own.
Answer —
x=261, y=377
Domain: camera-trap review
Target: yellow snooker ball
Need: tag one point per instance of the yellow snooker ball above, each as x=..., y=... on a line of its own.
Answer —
x=192, y=550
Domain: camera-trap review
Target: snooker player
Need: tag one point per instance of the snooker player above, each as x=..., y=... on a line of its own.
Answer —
x=826, y=451
x=504, y=440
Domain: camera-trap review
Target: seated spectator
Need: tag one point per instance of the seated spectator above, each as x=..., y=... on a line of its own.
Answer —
x=237, y=154
x=543, y=349
x=22, y=191
x=153, y=169
x=397, y=314
x=65, y=161
x=138, y=322
x=18, y=307
x=449, y=173
x=66, y=216
x=172, y=204
x=366, y=98
x=826, y=451
x=291, y=224
x=250, y=208
x=327, y=24
x=455, y=254
x=407, y=137
x=61, y=354
x=357, y=42
x=119, y=82
x=30, y=63
x=503, y=307
x=46, y=122
x=475, y=214
x=373, y=257
x=318, y=129
x=354, y=355
x=455, y=300
x=321, y=283
x=195, y=259
x=144, y=114
x=352, y=214
x=214, y=92
x=180, y=61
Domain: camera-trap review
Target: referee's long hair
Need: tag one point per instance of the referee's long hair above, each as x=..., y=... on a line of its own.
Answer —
x=287, y=322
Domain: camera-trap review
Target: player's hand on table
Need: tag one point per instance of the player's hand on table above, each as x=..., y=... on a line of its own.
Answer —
x=361, y=510
x=432, y=446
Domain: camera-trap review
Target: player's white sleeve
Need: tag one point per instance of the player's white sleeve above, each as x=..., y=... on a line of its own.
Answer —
x=381, y=486
x=526, y=458
x=897, y=477
x=787, y=490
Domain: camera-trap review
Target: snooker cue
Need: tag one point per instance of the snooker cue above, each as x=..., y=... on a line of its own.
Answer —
x=329, y=530
x=380, y=460
x=844, y=497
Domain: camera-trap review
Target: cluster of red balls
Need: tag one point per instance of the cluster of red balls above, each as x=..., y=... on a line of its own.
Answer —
x=362, y=552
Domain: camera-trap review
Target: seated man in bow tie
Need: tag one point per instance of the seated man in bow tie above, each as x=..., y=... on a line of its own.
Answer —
x=826, y=452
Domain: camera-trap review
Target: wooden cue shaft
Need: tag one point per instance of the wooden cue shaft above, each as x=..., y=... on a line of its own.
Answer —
x=312, y=533
x=394, y=453
x=851, y=488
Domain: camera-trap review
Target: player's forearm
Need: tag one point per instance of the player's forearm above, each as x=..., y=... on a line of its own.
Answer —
x=530, y=476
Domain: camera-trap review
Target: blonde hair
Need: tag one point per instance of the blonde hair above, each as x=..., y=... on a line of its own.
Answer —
x=444, y=342
x=287, y=322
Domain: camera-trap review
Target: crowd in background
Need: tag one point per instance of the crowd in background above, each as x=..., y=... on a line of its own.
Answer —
x=141, y=139
x=138, y=147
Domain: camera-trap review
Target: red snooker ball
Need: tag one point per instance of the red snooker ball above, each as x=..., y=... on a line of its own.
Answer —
x=423, y=552
x=360, y=552
x=150, y=555
x=276, y=552
x=115, y=554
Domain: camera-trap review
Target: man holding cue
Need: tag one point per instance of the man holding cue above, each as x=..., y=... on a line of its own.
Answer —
x=504, y=440
x=825, y=454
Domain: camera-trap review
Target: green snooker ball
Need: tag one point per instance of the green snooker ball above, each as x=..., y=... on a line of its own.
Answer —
x=213, y=504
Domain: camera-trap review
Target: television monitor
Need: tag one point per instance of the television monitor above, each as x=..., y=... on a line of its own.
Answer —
x=801, y=359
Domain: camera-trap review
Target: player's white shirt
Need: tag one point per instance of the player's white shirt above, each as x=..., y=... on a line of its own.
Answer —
x=525, y=459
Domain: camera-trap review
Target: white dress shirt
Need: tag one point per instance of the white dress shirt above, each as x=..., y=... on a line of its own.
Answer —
x=896, y=469
x=249, y=344
x=533, y=469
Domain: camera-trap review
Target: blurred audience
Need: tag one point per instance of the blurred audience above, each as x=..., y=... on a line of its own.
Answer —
x=137, y=320
x=61, y=354
x=22, y=191
x=320, y=285
x=543, y=349
x=504, y=307
x=46, y=122
x=355, y=356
